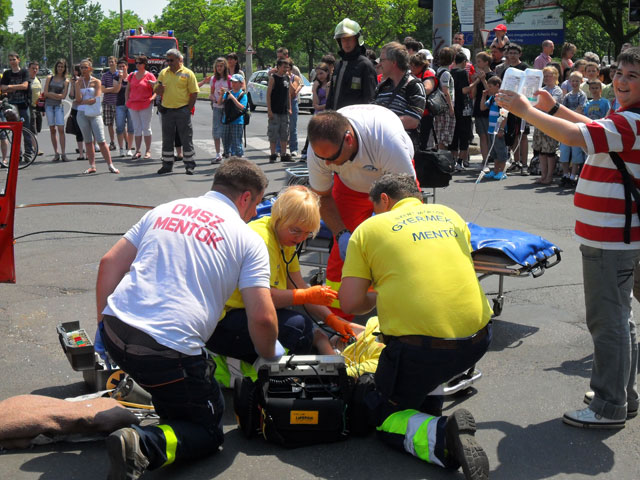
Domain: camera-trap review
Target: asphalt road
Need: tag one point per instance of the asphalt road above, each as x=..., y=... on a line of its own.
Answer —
x=537, y=368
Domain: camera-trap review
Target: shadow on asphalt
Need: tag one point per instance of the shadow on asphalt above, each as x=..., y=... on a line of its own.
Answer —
x=508, y=334
x=552, y=450
x=581, y=367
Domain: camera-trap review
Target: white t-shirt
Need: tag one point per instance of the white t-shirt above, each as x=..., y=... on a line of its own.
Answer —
x=467, y=52
x=383, y=147
x=192, y=254
x=215, y=86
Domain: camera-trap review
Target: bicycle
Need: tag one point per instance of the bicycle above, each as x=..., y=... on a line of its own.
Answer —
x=29, y=152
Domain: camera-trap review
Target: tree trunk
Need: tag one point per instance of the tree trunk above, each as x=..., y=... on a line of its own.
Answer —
x=478, y=24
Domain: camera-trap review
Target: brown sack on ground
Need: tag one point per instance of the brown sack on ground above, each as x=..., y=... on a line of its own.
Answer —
x=24, y=417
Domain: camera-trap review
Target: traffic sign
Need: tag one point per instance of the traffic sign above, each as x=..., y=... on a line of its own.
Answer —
x=249, y=50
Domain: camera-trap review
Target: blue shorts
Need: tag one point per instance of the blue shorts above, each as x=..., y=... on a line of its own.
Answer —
x=123, y=116
x=55, y=115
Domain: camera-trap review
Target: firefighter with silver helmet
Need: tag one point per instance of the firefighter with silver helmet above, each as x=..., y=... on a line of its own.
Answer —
x=354, y=78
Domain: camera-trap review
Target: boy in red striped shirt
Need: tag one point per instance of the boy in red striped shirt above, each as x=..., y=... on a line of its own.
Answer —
x=608, y=258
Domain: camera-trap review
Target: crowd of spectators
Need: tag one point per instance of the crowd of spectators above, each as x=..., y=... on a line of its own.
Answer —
x=404, y=77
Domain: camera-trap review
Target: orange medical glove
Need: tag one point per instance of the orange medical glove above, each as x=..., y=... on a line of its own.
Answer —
x=316, y=295
x=339, y=325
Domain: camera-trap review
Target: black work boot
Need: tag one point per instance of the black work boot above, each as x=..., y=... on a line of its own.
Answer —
x=462, y=446
x=167, y=167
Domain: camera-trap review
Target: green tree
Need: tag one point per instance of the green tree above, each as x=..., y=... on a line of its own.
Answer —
x=610, y=15
x=109, y=29
x=6, y=10
x=305, y=27
x=50, y=19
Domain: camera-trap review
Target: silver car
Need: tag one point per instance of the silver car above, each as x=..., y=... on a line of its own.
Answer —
x=259, y=81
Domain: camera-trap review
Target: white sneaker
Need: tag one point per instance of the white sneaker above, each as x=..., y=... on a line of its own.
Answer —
x=587, y=418
x=216, y=160
x=122, y=152
x=294, y=154
x=130, y=153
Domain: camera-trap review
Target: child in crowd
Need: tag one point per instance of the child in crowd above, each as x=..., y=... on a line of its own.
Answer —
x=574, y=100
x=320, y=90
x=278, y=110
x=232, y=129
x=498, y=152
x=219, y=83
x=463, y=109
x=445, y=123
x=591, y=72
x=544, y=144
x=501, y=40
x=579, y=66
x=609, y=245
x=598, y=107
x=607, y=90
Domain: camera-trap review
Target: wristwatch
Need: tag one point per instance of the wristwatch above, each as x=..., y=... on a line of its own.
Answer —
x=340, y=233
x=554, y=109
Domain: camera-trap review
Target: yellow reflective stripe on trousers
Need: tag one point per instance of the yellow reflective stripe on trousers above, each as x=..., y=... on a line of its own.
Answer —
x=336, y=287
x=172, y=443
x=421, y=435
x=419, y=431
x=222, y=375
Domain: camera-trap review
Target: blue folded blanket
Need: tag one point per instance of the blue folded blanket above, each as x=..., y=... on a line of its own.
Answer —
x=523, y=248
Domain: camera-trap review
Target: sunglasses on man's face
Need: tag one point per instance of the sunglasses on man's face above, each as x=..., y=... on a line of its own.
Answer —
x=334, y=157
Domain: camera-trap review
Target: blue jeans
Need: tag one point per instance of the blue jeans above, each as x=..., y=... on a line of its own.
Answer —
x=231, y=336
x=293, y=126
x=185, y=395
x=232, y=139
x=123, y=117
x=608, y=283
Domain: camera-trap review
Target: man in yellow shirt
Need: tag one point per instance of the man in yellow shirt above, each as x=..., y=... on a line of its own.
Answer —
x=434, y=318
x=179, y=90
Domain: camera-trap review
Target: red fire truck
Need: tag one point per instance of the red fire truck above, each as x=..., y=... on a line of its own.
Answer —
x=134, y=42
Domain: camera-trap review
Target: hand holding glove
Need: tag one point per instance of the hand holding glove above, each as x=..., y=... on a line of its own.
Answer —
x=317, y=295
x=339, y=325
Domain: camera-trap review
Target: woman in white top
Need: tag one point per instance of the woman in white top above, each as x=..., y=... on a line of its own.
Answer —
x=88, y=90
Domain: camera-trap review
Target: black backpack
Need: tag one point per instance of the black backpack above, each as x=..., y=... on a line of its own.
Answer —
x=232, y=112
x=436, y=101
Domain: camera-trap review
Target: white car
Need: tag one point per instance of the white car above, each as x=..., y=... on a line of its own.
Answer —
x=257, y=87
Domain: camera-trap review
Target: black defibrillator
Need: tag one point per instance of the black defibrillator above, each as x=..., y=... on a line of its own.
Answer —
x=296, y=401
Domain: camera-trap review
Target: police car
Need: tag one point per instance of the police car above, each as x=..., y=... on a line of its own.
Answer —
x=259, y=82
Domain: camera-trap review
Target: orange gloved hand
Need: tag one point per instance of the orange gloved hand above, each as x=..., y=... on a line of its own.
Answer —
x=316, y=295
x=339, y=325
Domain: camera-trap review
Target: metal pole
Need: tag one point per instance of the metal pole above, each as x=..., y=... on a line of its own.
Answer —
x=44, y=43
x=70, y=38
x=441, y=25
x=248, y=68
x=121, y=25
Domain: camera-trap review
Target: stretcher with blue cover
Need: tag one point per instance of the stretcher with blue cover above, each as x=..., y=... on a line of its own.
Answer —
x=495, y=251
